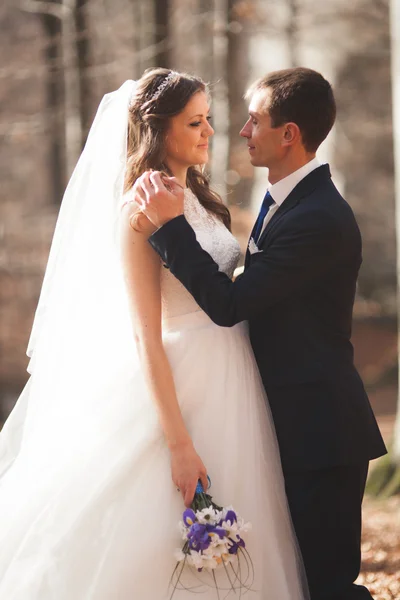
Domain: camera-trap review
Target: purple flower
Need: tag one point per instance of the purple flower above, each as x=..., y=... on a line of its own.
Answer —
x=198, y=537
x=231, y=517
x=236, y=545
x=189, y=518
x=218, y=530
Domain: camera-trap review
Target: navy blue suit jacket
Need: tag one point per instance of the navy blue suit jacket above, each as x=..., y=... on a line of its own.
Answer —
x=297, y=295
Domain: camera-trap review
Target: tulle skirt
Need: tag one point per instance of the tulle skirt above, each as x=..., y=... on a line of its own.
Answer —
x=88, y=510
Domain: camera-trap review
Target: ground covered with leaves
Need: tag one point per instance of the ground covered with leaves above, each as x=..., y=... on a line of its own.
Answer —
x=380, y=570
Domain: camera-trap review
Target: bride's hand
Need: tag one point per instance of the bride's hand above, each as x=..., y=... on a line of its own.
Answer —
x=187, y=468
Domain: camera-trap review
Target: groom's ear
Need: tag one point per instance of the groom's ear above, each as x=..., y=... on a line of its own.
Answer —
x=291, y=134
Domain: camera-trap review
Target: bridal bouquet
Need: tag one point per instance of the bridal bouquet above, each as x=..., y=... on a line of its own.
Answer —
x=213, y=540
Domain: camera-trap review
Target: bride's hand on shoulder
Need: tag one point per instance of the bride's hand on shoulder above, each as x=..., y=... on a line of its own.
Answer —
x=187, y=468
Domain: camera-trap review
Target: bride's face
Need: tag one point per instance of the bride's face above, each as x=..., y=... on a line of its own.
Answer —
x=187, y=136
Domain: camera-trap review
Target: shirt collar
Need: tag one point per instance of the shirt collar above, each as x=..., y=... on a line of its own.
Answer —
x=281, y=189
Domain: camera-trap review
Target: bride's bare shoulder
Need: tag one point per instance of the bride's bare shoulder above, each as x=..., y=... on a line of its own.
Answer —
x=134, y=221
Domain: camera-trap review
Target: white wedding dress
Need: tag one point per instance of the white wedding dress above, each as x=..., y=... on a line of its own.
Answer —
x=88, y=510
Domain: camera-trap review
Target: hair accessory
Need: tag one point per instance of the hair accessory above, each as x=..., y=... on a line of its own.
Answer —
x=163, y=85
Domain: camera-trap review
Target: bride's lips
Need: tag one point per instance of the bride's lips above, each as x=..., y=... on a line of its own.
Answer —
x=203, y=146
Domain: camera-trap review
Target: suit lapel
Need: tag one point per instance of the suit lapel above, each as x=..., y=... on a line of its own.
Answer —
x=289, y=203
x=304, y=188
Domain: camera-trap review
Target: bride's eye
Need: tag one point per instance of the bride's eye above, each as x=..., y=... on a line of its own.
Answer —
x=195, y=124
x=209, y=118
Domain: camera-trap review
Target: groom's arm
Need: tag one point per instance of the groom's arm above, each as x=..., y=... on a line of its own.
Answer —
x=304, y=248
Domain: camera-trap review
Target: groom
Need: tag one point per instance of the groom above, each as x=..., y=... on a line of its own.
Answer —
x=297, y=293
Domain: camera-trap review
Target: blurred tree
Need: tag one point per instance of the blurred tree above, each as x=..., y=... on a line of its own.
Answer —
x=72, y=81
x=51, y=23
x=67, y=57
x=146, y=25
x=292, y=32
x=161, y=17
x=363, y=145
x=204, y=42
x=395, y=22
x=385, y=479
x=239, y=176
x=220, y=142
x=84, y=62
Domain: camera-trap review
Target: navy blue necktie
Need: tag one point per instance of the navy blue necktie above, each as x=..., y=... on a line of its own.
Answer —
x=265, y=206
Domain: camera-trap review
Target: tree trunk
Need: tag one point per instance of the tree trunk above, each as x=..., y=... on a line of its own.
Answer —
x=220, y=104
x=204, y=40
x=73, y=125
x=161, y=37
x=146, y=25
x=291, y=33
x=395, y=30
x=55, y=102
x=136, y=26
x=83, y=60
x=240, y=173
x=385, y=478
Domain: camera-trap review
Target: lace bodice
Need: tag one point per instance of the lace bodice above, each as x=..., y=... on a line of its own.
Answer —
x=215, y=238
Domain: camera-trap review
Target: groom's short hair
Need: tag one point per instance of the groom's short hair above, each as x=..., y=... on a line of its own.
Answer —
x=300, y=96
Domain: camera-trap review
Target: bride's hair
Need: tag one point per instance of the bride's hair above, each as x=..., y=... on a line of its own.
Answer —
x=161, y=94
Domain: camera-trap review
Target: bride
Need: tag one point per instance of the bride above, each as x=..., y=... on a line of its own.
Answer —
x=134, y=393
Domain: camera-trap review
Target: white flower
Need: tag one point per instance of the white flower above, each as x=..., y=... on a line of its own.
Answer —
x=195, y=559
x=209, y=562
x=208, y=516
x=253, y=248
x=183, y=529
x=226, y=509
x=179, y=555
x=221, y=548
x=244, y=527
x=202, y=561
x=229, y=558
x=230, y=529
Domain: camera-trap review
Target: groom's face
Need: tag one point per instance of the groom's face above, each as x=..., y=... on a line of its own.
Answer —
x=263, y=140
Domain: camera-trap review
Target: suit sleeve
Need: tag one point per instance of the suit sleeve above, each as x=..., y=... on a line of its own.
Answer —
x=304, y=248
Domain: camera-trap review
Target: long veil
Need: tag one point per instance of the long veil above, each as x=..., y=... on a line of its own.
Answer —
x=81, y=335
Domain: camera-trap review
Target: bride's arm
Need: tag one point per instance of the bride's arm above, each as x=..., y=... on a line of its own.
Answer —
x=141, y=267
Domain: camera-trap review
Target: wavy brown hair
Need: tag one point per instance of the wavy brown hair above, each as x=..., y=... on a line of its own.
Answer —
x=149, y=116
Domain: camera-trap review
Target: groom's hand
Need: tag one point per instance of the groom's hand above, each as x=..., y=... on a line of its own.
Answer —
x=160, y=198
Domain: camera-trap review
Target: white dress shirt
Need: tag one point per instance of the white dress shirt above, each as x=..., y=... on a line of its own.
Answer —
x=281, y=189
